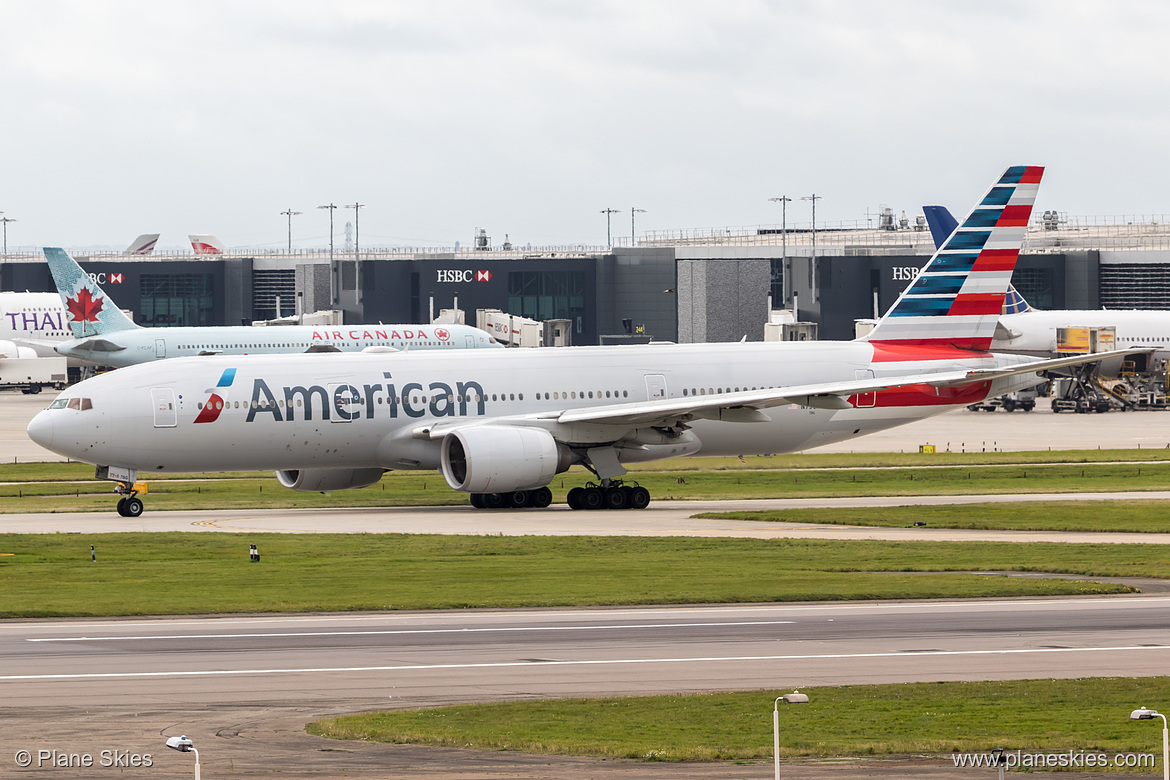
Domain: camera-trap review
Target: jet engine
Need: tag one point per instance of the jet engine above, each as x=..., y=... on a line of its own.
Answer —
x=9, y=349
x=327, y=480
x=500, y=459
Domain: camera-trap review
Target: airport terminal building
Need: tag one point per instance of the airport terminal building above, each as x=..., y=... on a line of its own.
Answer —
x=686, y=286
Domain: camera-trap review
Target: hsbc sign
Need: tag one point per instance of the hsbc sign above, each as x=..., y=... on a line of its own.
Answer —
x=449, y=276
x=115, y=278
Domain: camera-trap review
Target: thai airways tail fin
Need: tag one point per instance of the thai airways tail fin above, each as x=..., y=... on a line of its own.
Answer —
x=206, y=244
x=942, y=224
x=143, y=245
x=88, y=309
x=956, y=300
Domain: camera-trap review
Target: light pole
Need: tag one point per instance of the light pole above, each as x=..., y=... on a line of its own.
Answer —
x=5, y=221
x=1145, y=714
x=607, y=212
x=796, y=697
x=357, y=259
x=634, y=211
x=332, y=270
x=184, y=745
x=784, y=200
x=290, y=214
x=812, y=263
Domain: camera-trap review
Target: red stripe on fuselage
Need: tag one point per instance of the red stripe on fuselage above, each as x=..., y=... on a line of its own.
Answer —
x=1015, y=216
x=996, y=260
x=927, y=395
x=976, y=303
x=929, y=349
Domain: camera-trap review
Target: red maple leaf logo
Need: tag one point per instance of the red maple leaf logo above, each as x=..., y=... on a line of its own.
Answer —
x=84, y=308
x=442, y=333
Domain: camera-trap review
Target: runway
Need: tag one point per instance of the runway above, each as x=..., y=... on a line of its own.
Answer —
x=661, y=518
x=420, y=659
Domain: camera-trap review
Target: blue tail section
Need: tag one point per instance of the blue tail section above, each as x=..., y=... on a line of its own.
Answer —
x=942, y=223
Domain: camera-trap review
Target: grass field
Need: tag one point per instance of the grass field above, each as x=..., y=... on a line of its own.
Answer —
x=163, y=574
x=864, y=720
x=71, y=488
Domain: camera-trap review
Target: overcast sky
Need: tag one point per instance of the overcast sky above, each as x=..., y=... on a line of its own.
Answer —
x=529, y=117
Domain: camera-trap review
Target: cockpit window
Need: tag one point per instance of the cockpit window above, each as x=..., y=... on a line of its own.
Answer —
x=76, y=404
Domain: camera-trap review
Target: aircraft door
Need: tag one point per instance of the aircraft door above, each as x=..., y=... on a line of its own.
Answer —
x=865, y=400
x=469, y=341
x=655, y=386
x=160, y=348
x=165, y=414
x=346, y=403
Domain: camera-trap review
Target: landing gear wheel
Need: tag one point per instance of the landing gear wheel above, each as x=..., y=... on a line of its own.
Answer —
x=493, y=500
x=540, y=498
x=592, y=498
x=574, y=498
x=639, y=498
x=133, y=507
x=477, y=500
x=517, y=498
x=615, y=498
x=122, y=507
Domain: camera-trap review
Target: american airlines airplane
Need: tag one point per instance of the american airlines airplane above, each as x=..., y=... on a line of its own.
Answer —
x=1029, y=331
x=107, y=337
x=500, y=425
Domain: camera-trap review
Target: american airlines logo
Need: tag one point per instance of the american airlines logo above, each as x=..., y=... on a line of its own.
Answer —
x=456, y=276
x=347, y=401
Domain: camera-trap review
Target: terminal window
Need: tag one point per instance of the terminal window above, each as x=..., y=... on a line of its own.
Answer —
x=547, y=295
x=1036, y=285
x=175, y=299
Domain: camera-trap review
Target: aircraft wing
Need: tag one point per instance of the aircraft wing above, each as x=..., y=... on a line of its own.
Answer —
x=95, y=344
x=746, y=406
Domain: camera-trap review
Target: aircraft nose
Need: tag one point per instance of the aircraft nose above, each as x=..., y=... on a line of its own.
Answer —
x=40, y=430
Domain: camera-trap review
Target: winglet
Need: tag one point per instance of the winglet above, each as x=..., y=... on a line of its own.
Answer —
x=956, y=301
x=89, y=310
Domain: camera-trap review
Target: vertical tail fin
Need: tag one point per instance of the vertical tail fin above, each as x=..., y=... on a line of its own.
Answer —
x=942, y=224
x=956, y=300
x=206, y=244
x=89, y=310
x=143, y=245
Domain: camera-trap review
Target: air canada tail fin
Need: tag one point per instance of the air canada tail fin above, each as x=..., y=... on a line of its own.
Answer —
x=942, y=224
x=88, y=309
x=956, y=300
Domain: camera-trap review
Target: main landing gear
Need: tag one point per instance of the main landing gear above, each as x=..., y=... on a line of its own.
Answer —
x=539, y=498
x=130, y=505
x=610, y=494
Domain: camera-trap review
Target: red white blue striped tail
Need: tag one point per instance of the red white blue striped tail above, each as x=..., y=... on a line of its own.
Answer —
x=956, y=300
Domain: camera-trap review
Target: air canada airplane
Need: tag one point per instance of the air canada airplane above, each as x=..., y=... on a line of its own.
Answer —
x=1030, y=331
x=500, y=425
x=102, y=334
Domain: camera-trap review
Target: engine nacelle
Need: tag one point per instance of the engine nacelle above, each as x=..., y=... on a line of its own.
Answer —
x=328, y=480
x=500, y=459
x=9, y=349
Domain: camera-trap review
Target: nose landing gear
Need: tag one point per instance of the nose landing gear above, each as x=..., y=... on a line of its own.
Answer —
x=130, y=505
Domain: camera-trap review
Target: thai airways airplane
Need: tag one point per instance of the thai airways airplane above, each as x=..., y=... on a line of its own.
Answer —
x=500, y=425
x=31, y=324
x=1031, y=331
x=106, y=336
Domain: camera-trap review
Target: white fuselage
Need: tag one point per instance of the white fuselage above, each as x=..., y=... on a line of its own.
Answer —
x=365, y=410
x=143, y=345
x=33, y=320
x=1034, y=332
